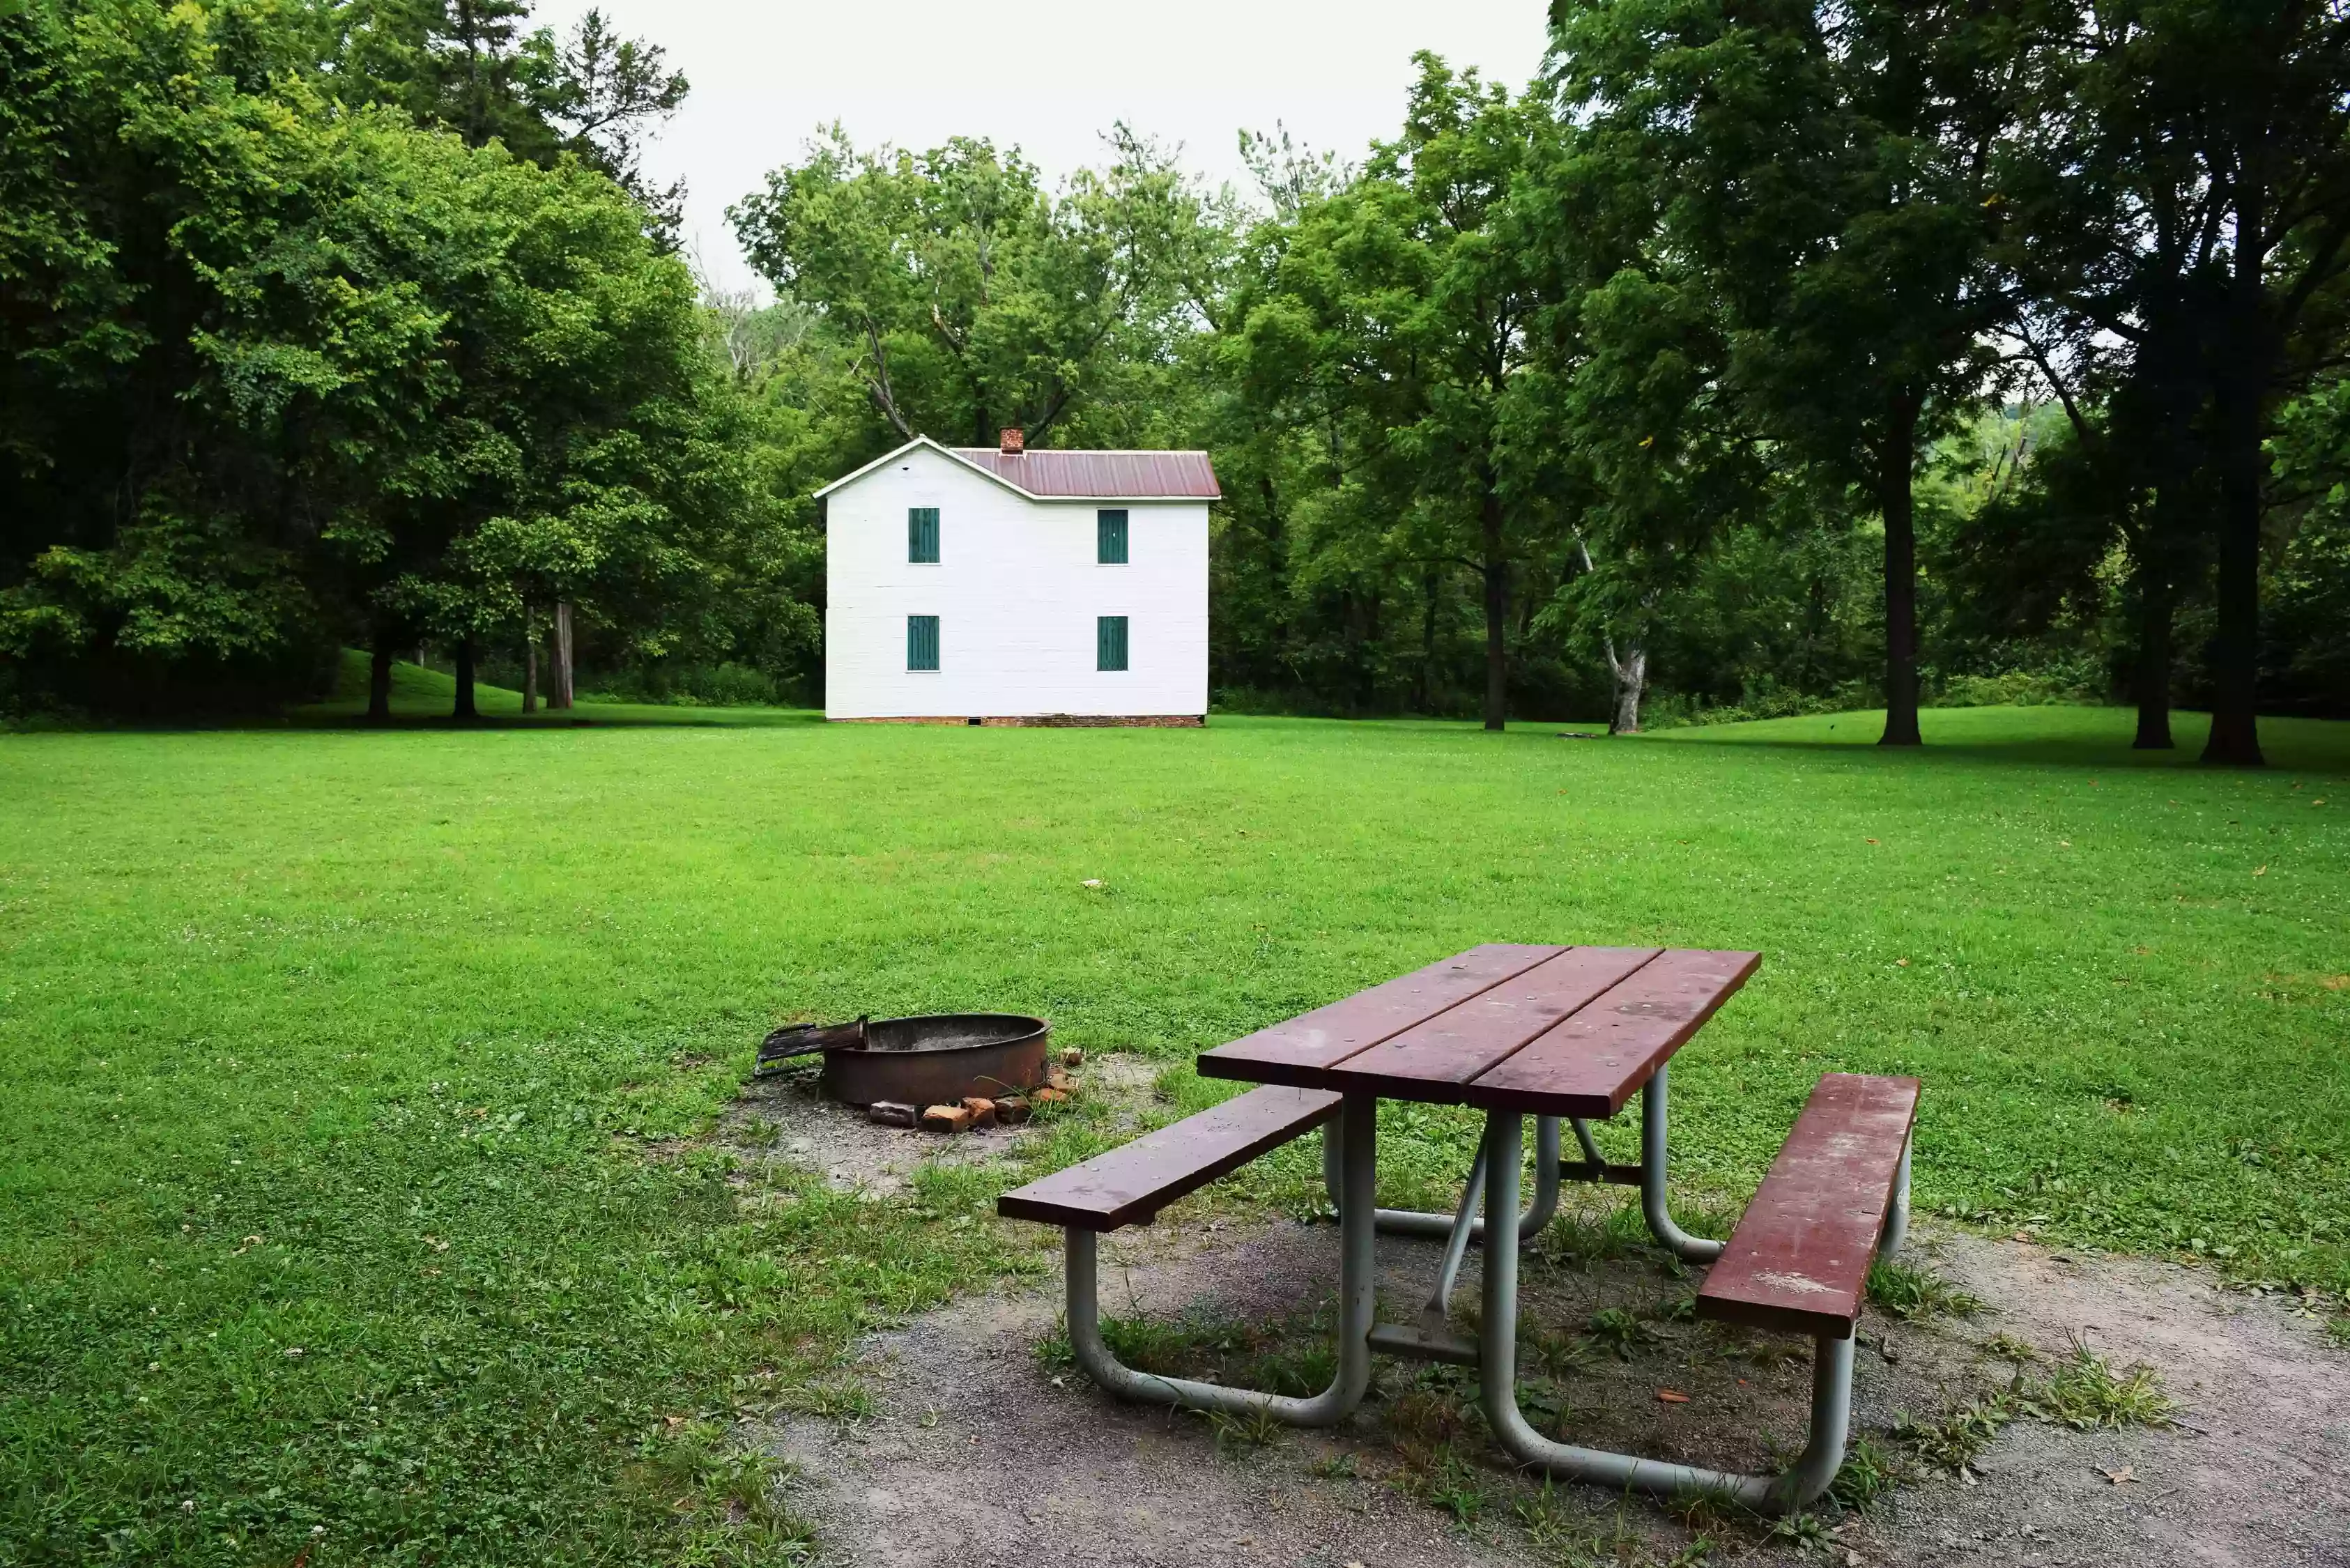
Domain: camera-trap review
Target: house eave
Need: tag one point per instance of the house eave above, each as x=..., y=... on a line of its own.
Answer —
x=968, y=466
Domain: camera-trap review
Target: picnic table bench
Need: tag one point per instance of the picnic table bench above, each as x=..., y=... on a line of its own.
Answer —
x=1515, y=1030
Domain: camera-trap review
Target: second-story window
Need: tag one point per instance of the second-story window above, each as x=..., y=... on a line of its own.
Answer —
x=923, y=534
x=1109, y=538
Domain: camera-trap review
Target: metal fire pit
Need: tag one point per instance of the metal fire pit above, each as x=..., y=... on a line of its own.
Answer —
x=939, y=1059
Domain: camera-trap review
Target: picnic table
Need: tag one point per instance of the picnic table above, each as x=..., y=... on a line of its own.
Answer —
x=1559, y=1033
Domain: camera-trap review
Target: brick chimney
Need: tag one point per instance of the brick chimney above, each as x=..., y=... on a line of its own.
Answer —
x=1015, y=441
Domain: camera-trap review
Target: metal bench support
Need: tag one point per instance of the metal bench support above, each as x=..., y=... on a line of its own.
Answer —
x=1358, y=1281
x=1822, y=1456
x=1897, y=1219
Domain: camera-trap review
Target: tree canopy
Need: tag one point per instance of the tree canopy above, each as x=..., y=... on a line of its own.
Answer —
x=284, y=367
x=1759, y=357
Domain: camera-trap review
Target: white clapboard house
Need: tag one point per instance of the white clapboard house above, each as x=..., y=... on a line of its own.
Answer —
x=975, y=584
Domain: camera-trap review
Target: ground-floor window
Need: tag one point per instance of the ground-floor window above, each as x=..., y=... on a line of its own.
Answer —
x=923, y=642
x=1109, y=642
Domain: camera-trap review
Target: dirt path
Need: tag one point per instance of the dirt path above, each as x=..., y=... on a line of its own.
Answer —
x=983, y=1453
x=982, y=1450
x=2256, y=1473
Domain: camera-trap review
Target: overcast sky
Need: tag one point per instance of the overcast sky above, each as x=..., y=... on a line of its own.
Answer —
x=1048, y=76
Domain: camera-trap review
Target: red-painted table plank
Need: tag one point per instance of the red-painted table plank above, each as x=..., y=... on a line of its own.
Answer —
x=1432, y=1061
x=1302, y=1051
x=1799, y=1258
x=1595, y=1061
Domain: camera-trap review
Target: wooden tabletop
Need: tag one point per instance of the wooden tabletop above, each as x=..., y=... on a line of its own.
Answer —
x=1551, y=1031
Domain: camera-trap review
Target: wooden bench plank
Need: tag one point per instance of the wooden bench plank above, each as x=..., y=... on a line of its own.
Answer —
x=1594, y=1062
x=1301, y=1051
x=1432, y=1060
x=1799, y=1258
x=1128, y=1185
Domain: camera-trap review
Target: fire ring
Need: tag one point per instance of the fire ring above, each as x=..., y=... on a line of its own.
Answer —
x=939, y=1058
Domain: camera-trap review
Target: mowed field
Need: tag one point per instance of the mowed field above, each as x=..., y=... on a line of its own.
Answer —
x=350, y=1196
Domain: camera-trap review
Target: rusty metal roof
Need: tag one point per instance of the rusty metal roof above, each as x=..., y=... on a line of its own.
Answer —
x=1100, y=475
x=1053, y=475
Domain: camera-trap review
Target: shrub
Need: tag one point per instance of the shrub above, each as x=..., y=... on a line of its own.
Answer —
x=2074, y=678
x=691, y=686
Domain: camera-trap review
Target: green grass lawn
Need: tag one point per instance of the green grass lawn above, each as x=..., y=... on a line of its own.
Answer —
x=345, y=1071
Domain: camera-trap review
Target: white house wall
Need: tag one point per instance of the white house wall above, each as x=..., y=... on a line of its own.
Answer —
x=1016, y=589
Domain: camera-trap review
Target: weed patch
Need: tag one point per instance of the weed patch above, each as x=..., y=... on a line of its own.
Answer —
x=1912, y=1291
x=1581, y=1240
x=1869, y=1474
x=1451, y=1482
x=1951, y=1442
x=1620, y=1332
x=1332, y=1467
x=1243, y=1433
x=2087, y=1394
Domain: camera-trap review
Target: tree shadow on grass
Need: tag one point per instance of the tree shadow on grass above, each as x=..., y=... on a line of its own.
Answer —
x=2076, y=737
x=341, y=718
x=586, y=715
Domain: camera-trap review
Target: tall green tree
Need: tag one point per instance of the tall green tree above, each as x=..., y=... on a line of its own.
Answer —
x=478, y=67
x=974, y=297
x=2181, y=184
x=154, y=509
x=2115, y=247
x=1631, y=425
x=2260, y=93
x=281, y=372
x=1831, y=168
x=584, y=451
x=1403, y=303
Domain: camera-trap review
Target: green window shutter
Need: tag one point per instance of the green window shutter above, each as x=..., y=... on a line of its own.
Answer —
x=1109, y=540
x=923, y=534
x=922, y=642
x=1109, y=642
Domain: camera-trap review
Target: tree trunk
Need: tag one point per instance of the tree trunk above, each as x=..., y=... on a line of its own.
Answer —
x=2236, y=643
x=1631, y=673
x=379, y=710
x=1896, y=506
x=529, y=664
x=561, y=696
x=464, y=708
x=2153, y=674
x=1433, y=584
x=1497, y=614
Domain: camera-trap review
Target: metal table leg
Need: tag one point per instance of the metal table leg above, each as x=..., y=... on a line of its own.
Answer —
x=1822, y=1456
x=1357, y=1280
x=1414, y=1222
